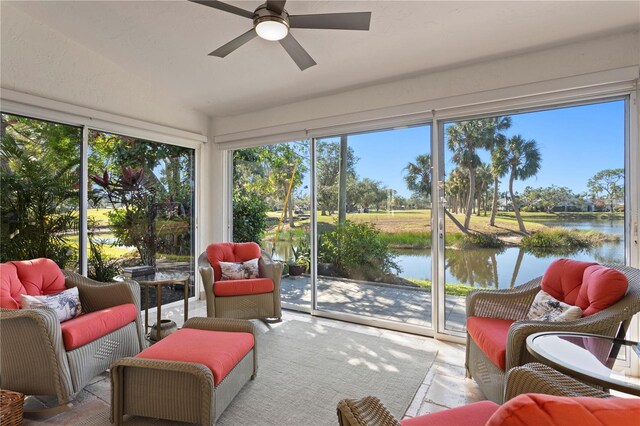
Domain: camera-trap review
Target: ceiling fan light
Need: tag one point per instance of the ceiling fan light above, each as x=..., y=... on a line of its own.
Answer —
x=272, y=30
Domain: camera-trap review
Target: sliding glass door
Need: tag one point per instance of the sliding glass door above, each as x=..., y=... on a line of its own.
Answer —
x=525, y=189
x=373, y=193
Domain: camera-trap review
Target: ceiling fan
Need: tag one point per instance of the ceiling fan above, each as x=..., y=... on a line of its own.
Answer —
x=272, y=22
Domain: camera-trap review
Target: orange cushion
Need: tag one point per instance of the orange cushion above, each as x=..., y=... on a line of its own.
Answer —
x=243, y=287
x=475, y=414
x=490, y=334
x=601, y=288
x=88, y=327
x=548, y=410
x=11, y=289
x=230, y=252
x=40, y=276
x=563, y=278
x=219, y=351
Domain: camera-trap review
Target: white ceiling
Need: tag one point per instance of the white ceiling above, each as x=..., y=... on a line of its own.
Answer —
x=167, y=42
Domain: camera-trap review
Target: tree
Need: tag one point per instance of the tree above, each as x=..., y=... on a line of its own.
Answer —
x=499, y=168
x=546, y=199
x=524, y=160
x=344, y=172
x=607, y=184
x=465, y=138
x=418, y=177
x=327, y=174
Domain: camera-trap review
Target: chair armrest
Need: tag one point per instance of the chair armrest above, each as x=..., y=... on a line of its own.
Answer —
x=510, y=304
x=270, y=269
x=208, y=278
x=32, y=354
x=538, y=378
x=221, y=324
x=367, y=411
x=95, y=295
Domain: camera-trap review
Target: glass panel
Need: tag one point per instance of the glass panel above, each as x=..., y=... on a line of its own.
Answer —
x=40, y=181
x=141, y=202
x=544, y=185
x=271, y=206
x=374, y=232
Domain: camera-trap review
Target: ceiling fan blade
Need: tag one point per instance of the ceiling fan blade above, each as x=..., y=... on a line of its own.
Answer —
x=276, y=6
x=332, y=21
x=225, y=7
x=237, y=42
x=297, y=52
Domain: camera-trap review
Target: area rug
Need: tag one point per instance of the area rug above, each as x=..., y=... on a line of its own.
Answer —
x=304, y=369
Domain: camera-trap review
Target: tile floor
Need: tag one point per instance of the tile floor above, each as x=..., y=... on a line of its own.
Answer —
x=434, y=394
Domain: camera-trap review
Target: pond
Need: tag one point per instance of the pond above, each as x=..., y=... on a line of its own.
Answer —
x=497, y=268
x=504, y=268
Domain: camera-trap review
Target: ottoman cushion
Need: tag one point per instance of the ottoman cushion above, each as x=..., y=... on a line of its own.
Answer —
x=219, y=351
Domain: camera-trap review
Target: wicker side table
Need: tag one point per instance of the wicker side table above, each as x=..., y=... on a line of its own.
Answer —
x=11, y=404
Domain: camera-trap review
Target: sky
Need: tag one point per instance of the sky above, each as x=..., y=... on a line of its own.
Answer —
x=575, y=143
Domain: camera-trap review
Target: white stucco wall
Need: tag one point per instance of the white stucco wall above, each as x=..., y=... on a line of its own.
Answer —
x=36, y=60
x=606, y=53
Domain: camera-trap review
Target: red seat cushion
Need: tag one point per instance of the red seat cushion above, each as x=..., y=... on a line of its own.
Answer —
x=88, y=327
x=230, y=252
x=490, y=334
x=601, y=287
x=548, y=410
x=243, y=287
x=11, y=289
x=563, y=279
x=475, y=414
x=219, y=351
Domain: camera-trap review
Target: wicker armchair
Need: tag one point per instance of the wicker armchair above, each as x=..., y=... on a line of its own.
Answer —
x=513, y=304
x=530, y=378
x=262, y=305
x=33, y=357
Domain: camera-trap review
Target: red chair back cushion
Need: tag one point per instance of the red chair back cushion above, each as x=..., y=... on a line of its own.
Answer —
x=230, y=252
x=601, y=287
x=548, y=410
x=563, y=278
x=475, y=414
x=34, y=277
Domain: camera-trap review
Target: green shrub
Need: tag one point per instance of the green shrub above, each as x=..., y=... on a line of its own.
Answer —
x=249, y=218
x=101, y=267
x=357, y=251
x=479, y=240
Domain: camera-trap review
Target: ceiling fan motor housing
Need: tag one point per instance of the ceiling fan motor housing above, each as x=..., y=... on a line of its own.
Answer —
x=262, y=14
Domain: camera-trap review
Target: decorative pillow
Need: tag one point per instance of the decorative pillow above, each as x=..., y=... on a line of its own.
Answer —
x=66, y=304
x=239, y=270
x=547, y=308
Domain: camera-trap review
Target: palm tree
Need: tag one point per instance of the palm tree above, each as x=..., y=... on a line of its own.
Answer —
x=418, y=178
x=499, y=166
x=464, y=139
x=523, y=157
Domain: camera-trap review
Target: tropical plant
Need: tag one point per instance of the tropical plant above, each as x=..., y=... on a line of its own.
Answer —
x=607, y=184
x=39, y=177
x=249, y=217
x=418, y=177
x=524, y=161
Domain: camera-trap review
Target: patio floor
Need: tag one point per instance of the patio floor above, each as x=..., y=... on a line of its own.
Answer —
x=384, y=301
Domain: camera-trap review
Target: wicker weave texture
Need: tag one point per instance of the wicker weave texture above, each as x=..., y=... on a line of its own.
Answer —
x=32, y=354
x=11, y=406
x=514, y=304
x=171, y=390
x=255, y=306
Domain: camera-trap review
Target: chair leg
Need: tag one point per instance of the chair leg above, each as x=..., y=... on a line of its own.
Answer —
x=271, y=320
x=43, y=413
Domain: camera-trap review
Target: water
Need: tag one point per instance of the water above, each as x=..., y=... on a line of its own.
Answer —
x=494, y=268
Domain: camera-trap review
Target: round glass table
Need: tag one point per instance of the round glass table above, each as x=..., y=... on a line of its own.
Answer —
x=157, y=280
x=587, y=357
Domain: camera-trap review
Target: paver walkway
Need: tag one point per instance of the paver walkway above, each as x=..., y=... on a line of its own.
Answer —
x=385, y=301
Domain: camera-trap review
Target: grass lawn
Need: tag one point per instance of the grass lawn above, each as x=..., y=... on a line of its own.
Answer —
x=413, y=225
x=449, y=288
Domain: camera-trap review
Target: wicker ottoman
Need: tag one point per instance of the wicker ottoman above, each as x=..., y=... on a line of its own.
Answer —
x=190, y=376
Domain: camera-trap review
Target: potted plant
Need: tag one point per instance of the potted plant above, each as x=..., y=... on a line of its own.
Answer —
x=301, y=259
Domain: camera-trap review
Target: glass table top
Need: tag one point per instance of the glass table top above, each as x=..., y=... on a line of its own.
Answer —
x=161, y=277
x=590, y=357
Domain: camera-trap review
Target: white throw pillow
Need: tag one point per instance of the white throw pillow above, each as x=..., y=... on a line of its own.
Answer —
x=547, y=308
x=66, y=304
x=239, y=270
